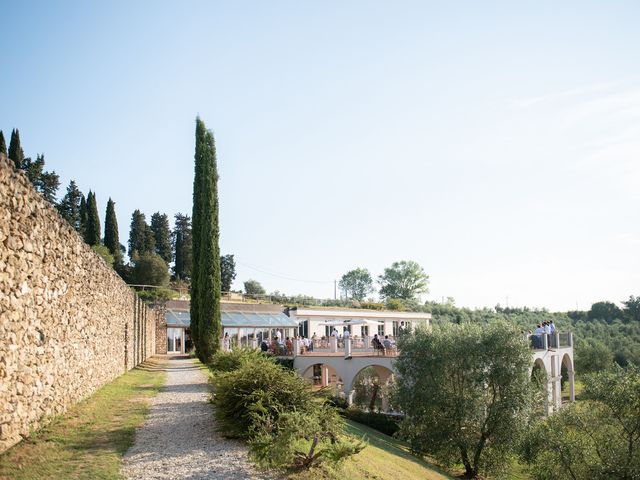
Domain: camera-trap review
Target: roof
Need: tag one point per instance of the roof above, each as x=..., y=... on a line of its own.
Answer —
x=359, y=313
x=235, y=319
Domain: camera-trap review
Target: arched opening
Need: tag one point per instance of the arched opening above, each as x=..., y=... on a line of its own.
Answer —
x=539, y=380
x=372, y=389
x=321, y=375
x=568, y=381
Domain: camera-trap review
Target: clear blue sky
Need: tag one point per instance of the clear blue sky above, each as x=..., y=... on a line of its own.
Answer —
x=495, y=143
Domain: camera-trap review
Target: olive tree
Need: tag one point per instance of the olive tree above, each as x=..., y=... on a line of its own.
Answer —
x=598, y=438
x=404, y=280
x=357, y=283
x=466, y=393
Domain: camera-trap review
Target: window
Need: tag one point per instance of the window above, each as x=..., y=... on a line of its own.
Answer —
x=381, y=330
x=303, y=329
x=365, y=330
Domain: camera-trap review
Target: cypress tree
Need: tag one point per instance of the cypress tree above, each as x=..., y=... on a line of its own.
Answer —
x=111, y=237
x=3, y=145
x=141, y=239
x=92, y=231
x=161, y=235
x=15, y=150
x=182, y=247
x=84, y=216
x=205, y=281
x=69, y=206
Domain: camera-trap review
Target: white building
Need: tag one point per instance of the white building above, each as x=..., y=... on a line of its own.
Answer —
x=359, y=322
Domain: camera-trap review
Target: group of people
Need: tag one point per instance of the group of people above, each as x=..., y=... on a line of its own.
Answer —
x=278, y=346
x=544, y=328
x=382, y=346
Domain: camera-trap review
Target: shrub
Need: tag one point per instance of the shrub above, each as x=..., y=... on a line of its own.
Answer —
x=276, y=411
x=257, y=388
x=300, y=439
x=233, y=360
x=104, y=253
x=157, y=294
x=378, y=421
x=151, y=269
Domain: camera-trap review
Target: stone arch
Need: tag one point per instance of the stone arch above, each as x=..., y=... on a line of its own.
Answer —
x=373, y=392
x=322, y=374
x=567, y=376
x=540, y=376
x=539, y=367
x=384, y=374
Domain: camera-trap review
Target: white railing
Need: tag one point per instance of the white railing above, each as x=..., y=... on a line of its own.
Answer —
x=547, y=341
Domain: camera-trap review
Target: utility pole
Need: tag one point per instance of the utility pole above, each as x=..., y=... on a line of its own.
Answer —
x=335, y=289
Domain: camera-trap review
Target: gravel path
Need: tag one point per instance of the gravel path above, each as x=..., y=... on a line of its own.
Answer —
x=178, y=440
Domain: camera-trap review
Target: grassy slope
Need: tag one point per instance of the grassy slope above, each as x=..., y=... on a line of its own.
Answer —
x=385, y=458
x=91, y=438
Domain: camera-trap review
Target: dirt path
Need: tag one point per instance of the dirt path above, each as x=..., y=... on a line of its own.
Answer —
x=179, y=440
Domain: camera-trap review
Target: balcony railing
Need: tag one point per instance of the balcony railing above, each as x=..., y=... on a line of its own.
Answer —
x=550, y=341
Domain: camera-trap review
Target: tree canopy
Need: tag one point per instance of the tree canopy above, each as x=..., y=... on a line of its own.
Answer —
x=141, y=239
x=162, y=236
x=69, y=206
x=227, y=272
x=607, y=311
x=3, y=145
x=84, y=214
x=182, y=245
x=150, y=269
x=466, y=393
x=253, y=287
x=597, y=438
x=404, y=280
x=92, y=230
x=357, y=283
x=111, y=236
x=15, y=149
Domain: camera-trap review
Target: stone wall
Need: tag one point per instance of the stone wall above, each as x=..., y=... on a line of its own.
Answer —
x=68, y=323
x=161, y=331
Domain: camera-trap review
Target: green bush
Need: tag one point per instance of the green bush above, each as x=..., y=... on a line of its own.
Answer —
x=378, y=421
x=104, y=253
x=233, y=360
x=151, y=269
x=285, y=362
x=286, y=424
x=258, y=388
x=157, y=294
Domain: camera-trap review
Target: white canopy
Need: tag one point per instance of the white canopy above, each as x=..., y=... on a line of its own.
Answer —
x=346, y=323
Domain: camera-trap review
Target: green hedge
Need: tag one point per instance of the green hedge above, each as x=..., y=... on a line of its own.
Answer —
x=378, y=421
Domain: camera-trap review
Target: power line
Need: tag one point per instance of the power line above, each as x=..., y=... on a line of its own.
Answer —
x=283, y=276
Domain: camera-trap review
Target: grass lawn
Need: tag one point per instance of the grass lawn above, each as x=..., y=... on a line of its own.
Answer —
x=91, y=438
x=385, y=458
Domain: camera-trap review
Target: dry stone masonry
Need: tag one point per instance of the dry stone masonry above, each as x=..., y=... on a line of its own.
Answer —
x=68, y=323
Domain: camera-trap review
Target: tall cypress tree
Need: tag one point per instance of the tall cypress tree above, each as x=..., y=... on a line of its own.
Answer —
x=15, y=150
x=141, y=239
x=92, y=230
x=111, y=237
x=205, y=282
x=84, y=215
x=182, y=247
x=161, y=235
x=69, y=206
x=3, y=145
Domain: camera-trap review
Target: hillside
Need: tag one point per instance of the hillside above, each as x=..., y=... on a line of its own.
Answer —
x=385, y=458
